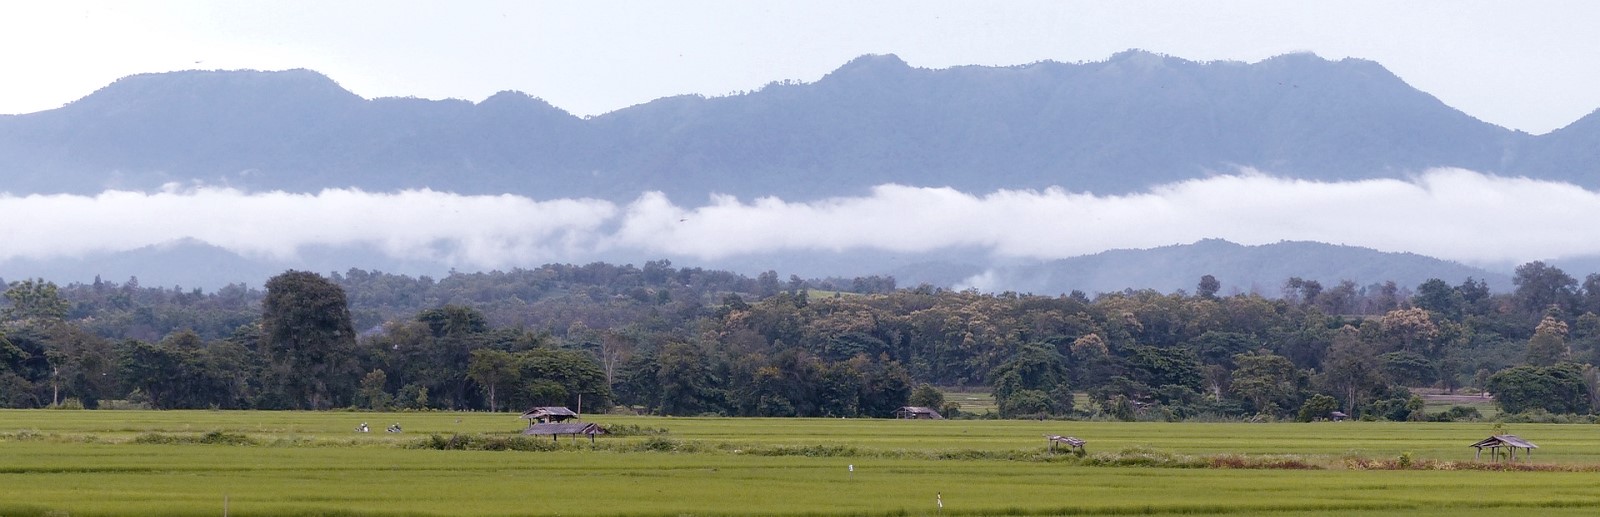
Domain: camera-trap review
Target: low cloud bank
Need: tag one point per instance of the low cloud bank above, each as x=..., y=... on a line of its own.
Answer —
x=1446, y=213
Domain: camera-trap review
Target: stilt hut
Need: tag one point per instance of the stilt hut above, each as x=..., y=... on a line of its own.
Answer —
x=1509, y=442
x=548, y=414
x=554, y=431
x=918, y=413
x=1073, y=443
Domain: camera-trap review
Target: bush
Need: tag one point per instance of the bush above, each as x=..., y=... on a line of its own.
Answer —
x=1458, y=413
x=926, y=396
x=1540, y=416
x=1026, y=404
x=1317, y=407
x=478, y=442
x=1398, y=409
x=211, y=438
x=634, y=430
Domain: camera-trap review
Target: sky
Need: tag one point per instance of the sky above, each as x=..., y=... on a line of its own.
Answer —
x=1527, y=65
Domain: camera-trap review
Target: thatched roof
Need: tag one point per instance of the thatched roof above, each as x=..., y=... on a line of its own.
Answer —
x=1069, y=440
x=918, y=412
x=556, y=413
x=589, y=428
x=1504, y=440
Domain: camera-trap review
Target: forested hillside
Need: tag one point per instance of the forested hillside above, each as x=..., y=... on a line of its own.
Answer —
x=688, y=341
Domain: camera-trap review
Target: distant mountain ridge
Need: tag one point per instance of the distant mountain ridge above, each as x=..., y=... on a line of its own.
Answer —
x=1261, y=269
x=1114, y=126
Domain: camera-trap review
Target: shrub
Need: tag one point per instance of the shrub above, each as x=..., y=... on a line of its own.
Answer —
x=210, y=438
x=634, y=430
x=478, y=442
x=1317, y=407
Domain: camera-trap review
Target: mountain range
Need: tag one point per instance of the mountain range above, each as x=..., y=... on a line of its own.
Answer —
x=1260, y=269
x=1117, y=126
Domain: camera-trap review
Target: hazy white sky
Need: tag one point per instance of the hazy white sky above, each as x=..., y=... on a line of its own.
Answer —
x=1529, y=65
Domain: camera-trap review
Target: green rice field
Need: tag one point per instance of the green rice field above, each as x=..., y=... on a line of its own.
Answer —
x=263, y=463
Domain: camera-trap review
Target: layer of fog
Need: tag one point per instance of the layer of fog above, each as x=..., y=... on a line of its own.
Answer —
x=1446, y=213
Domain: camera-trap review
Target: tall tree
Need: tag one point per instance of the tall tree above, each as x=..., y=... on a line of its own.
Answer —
x=1264, y=379
x=1036, y=372
x=456, y=331
x=1557, y=389
x=156, y=369
x=1208, y=287
x=1548, y=345
x=309, y=337
x=491, y=369
x=1540, y=287
x=35, y=300
x=685, y=380
x=1410, y=330
x=1440, y=298
x=1352, y=368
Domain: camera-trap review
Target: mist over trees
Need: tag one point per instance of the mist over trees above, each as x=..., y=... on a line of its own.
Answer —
x=689, y=341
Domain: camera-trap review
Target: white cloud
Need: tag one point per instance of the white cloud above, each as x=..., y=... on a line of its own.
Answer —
x=1447, y=213
x=484, y=231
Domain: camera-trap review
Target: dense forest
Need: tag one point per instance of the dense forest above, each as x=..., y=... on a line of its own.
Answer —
x=688, y=341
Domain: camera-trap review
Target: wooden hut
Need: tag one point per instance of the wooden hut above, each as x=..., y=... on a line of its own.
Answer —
x=1071, y=442
x=1337, y=416
x=548, y=414
x=1509, y=442
x=917, y=413
x=554, y=431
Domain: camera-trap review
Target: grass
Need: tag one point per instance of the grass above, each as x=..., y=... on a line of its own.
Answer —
x=106, y=463
x=1487, y=408
x=971, y=401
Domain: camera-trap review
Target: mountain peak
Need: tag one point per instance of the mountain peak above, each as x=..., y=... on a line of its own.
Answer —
x=213, y=87
x=871, y=65
x=1140, y=56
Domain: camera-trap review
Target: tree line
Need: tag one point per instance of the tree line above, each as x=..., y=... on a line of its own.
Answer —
x=687, y=341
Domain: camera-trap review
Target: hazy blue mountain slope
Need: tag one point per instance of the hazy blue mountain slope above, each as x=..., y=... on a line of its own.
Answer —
x=1262, y=269
x=1135, y=120
x=1569, y=154
x=1114, y=126
x=294, y=130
